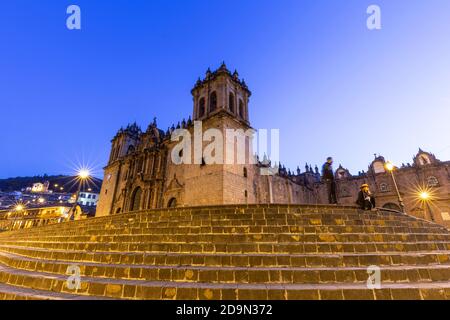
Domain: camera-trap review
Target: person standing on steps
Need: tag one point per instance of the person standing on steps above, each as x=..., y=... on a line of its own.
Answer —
x=328, y=178
x=366, y=201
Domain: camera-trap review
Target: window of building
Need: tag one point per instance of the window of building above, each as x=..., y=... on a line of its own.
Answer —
x=241, y=108
x=432, y=182
x=384, y=187
x=231, y=102
x=213, y=102
x=245, y=173
x=201, y=108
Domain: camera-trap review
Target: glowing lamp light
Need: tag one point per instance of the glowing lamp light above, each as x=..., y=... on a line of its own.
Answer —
x=390, y=166
x=424, y=196
x=84, y=174
x=19, y=207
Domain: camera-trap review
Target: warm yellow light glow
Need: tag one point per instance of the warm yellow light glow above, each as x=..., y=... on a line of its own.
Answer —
x=19, y=207
x=41, y=200
x=84, y=174
x=56, y=185
x=389, y=166
x=424, y=195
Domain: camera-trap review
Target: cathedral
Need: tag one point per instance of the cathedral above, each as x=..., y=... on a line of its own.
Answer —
x=141, y=173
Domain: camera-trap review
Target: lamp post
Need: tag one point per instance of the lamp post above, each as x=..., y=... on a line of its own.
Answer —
x=425, y=196
x=83, y=175
x=390, y=167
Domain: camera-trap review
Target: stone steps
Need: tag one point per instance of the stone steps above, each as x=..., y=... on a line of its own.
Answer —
x=244, y=238
x=268, y=275
x=167, y=290
x=241, y=230
x=8, y=292
x=230, y=252
x=286, y=248
x=238, y=260
x=341, y=219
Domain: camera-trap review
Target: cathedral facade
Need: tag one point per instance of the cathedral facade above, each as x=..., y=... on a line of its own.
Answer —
x=141, y=172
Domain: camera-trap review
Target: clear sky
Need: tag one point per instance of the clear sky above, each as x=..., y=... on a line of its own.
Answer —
x=317, y=73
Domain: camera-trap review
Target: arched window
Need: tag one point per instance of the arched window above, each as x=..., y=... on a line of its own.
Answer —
x=432, y=181
x=201, y=108
x=213, y=102
x=241, y=109
x=136, y=200
x=231, y=102
x=424, y=160
x=172, y=203
x=384, y=187
x=130, y=149
x=245, y=173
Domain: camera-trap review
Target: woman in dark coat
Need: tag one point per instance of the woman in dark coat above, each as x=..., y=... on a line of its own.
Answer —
x=366, y=201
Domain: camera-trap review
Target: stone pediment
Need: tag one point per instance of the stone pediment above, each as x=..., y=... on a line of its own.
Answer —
x=175, y=184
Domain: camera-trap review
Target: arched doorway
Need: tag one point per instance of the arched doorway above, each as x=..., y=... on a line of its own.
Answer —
x=392, y=206
x=172, y=203
x=136, y=200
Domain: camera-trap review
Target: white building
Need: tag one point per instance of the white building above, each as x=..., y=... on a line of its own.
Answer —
x=89, y=199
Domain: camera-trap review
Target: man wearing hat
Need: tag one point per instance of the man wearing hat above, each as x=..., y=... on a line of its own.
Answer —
x=366, y=201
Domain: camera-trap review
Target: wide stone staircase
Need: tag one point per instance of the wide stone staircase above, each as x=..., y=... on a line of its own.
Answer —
x=230, y=252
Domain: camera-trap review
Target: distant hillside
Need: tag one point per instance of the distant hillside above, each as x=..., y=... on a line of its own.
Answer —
x=67, y=182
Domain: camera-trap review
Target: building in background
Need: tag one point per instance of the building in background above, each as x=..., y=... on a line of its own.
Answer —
x=21, y=217
x=425, y=174
x=141, y=175
x=40, y=187
x=88, y=198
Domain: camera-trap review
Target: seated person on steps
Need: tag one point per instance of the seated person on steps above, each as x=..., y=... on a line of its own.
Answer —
x=366, y=201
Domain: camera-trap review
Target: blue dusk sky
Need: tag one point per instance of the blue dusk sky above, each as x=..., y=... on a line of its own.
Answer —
x=317, y=73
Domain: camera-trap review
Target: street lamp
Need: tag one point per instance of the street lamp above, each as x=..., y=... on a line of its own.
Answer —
x=390, y=167
x=19, y=208
x=83, y=175
x=425, y=196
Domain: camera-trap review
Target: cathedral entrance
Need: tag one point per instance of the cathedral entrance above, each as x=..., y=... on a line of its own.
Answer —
x=136, y=200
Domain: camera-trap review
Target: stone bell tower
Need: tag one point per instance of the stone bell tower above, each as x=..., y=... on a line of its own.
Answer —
x=221, y=102
x=221, y=91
